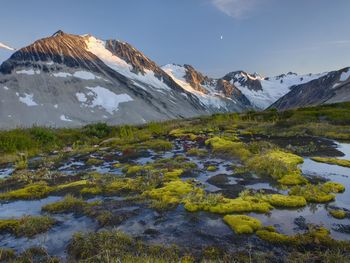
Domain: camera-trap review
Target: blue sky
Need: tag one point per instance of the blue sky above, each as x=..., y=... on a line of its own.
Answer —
x=265, y=36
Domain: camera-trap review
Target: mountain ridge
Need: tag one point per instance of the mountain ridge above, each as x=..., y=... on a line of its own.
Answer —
x=72, y=80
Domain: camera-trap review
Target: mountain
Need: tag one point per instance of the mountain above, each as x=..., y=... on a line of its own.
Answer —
x=331, y=87
x=263, y=91
x=71, y=80
x=215, y=94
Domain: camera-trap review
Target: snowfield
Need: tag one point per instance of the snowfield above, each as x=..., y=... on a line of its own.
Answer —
x=86, y=75
x=64, y=118
x=27, y=99
x=102, y=98
x=98, y=48
x=272, y=88
x=28, y=72
x=345, y=75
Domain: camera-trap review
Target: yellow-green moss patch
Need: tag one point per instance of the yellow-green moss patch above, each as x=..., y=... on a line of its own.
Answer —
x=279, y=165
x=27, y=226
x=94, y=161
x=197, y=152
x=228, y=148
x=175, y=174
x=32, y=191
x=321, y=193
x=332, y=161
x=278, y=200
x=242, y=224
x=211, y=168
x=339, y=214
x=216, y=203
x=68, y=204
x=171, y=193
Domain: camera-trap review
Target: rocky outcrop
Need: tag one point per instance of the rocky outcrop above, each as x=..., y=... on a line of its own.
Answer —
x=196, y=79
x=245, y=79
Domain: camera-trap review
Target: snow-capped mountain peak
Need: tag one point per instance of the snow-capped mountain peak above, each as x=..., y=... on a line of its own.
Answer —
x=217, y=94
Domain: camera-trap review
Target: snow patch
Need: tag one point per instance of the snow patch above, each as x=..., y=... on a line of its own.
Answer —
x=28, y=72
x=103, y=98
x=64, y=118
x=345, y=75
x=6, y=88
x=27, y=99
x=84, y=75
x=61, y=75
x=81, y=97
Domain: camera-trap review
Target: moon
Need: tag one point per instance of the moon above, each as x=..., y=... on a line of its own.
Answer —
x=221, y=37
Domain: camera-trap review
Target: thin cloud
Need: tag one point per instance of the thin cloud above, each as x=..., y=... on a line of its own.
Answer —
x=6, y=47
x=236, y=8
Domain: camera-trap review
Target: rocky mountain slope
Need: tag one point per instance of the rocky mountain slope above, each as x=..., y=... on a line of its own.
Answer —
x=332, y=87
x=216, y=94
x=71, y=80
x=263, y=91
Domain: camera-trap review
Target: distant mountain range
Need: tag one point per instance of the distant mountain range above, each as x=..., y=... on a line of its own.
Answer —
x=70, y=80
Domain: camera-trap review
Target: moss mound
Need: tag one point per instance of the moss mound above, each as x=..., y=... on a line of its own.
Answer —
x=242, y=224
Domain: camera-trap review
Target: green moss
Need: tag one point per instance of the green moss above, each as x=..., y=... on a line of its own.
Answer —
x=7, y=255
x=157, y=145
x=115, y=246
x=94, y=161
x=175, y=174
x=339, y=214
x=216, y=203
x=27, y=226
x=171, y=193
x=21, y=162
x=32, y=191
x=242, y=224
x=181, y=133
x=278, y=200
x=279, y=165
x=197, y=152
x=333, y=161
x=321, y=193
x=72, y=185
x=117, y=165
x=228, y=148
x=273, y=237
x=315, y=236
x=134, y=170
x=294, y=178
x=332, y=187
x=68, y=204
x=211, y=168
x=91, y=190
x=126, y=185
x=170, y=164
